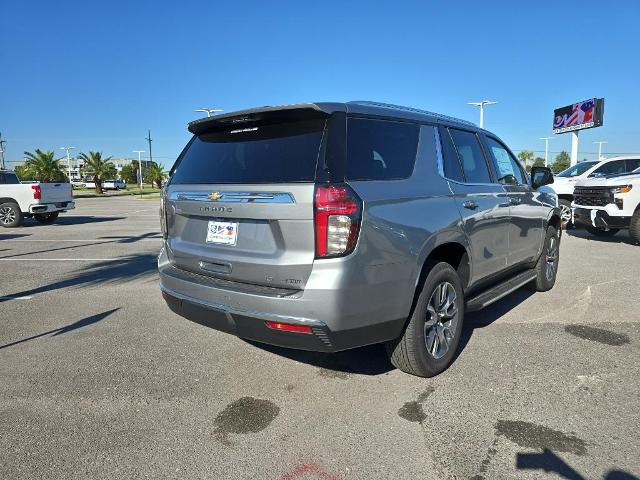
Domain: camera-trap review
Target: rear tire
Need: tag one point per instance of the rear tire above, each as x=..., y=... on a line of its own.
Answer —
x=46, y=218
x=565, y=213
x=430, y=340
x=547, y=265
x=600, y=232
x=634, y=227
x=10, y=215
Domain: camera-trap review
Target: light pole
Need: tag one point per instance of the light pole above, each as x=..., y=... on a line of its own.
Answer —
x=139, y=167
x=68, y=160
x=209, y=111
x=546, y=150
x=482, y=104
x=2, y=142
x=600, y=149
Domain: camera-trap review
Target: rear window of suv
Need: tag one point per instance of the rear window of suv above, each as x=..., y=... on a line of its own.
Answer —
x=380, y=149
x=278, y=153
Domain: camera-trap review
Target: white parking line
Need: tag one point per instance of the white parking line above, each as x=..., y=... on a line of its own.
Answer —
x=15, y=298
x=62, y=259
x=98, y=240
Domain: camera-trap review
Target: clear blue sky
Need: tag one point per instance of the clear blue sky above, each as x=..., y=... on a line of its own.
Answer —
x=97, y=75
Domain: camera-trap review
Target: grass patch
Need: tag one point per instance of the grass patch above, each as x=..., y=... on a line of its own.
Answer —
x=91, y=192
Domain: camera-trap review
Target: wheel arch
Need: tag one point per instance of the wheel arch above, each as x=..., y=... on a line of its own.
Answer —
x=8, y=200
x=450, y=247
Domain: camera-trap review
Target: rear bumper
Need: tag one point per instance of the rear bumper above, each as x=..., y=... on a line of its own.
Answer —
x=51, y=207
x=599, y=218
x=245, y=314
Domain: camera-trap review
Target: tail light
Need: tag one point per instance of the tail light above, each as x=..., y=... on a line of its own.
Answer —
x=337, y=219
x=37, y=193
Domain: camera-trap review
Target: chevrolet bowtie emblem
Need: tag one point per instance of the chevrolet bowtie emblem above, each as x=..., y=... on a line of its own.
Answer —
x=215, y=196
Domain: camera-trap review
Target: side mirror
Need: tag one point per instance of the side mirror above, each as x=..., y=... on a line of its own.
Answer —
x=541, y=176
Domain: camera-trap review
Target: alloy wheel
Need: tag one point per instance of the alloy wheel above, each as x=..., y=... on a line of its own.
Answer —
x=442, y=320
x=7, y=215
x=552, y=258
x=565, y=214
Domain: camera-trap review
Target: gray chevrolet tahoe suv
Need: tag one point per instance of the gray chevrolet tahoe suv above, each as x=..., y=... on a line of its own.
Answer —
x=329, y=226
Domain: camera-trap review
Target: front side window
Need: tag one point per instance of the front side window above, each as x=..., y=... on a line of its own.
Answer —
x=509, y=172
x=633, y=164
x=380, y=149
x=610, y=168
x=576, y=170
x=471, y=157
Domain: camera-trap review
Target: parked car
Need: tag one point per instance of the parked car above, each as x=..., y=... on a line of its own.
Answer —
x=606, y=205
x=42, y=201
x=330, y=226
x=566, y=180
x=113, y=184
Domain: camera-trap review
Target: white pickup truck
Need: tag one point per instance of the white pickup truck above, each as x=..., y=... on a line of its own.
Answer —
x=42, y=201
x=606, y=205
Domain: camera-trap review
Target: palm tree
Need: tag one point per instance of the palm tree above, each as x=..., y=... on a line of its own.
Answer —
x=154, y=173
x=42, y=166
x=99, y=168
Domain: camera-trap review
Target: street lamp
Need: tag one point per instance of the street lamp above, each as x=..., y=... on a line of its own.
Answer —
x=209, y=111
x=482, y=104
x=600, y=149
x=139, y=167
x=546, y=150
x=68, y=160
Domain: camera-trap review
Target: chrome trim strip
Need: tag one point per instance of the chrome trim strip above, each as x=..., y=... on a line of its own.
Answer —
x=249, y=313
x=235, y=197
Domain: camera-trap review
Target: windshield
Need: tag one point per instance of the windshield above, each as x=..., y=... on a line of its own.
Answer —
x=576, y=170
x=279, y=153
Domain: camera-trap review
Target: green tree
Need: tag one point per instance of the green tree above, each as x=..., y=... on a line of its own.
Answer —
x=98, y=168
x=23, y=172
x=129, y=173
x=561, y=163
x=154, y=173
x=42, y=166
x=525, y=156
x=538, y=162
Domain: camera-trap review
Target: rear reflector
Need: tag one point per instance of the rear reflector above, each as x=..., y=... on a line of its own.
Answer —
x=288, y=327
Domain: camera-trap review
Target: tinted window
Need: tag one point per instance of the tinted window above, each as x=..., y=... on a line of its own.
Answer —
x=576, y=170
x=471, y=156
x=264, y=154
x=633, y=164
x=8, y=178
x=451, y=166
x=509, y=172
x=617, y=166
x=380, y=150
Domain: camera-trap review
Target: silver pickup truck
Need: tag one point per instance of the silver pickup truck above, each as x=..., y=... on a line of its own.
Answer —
x=41, y=201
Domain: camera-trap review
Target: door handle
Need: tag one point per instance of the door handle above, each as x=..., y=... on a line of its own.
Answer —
x=470, y=204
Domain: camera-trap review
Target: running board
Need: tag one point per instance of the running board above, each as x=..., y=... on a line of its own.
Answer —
x=487, y=297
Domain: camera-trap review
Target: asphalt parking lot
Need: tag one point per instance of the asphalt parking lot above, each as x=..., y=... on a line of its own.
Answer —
x=100, y=380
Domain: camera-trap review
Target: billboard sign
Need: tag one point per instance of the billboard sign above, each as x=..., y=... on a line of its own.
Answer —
x=587, y=114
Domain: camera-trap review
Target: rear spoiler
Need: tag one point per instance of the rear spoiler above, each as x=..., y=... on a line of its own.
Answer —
x=264, y=115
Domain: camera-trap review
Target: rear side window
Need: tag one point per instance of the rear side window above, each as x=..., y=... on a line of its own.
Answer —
x=451, y=163
x=471, y=157
x=380, y=150
x=279, y=153
x=8, y=178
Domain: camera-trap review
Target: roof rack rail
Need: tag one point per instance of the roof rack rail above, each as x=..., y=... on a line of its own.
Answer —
x=411, y=109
